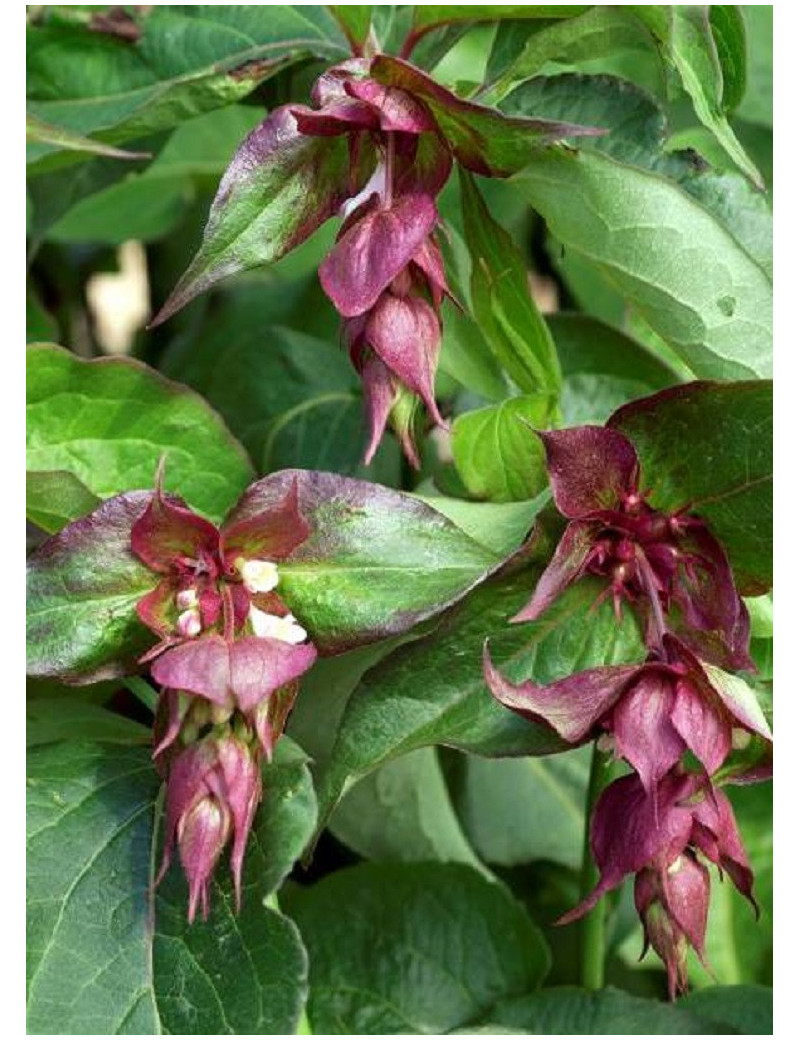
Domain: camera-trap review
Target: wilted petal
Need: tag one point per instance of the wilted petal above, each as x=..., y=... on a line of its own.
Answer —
x=405, y=333
x=254, y=530
x=168, y=532
x=572, y=706
x=428, y=258
x=567, y=564
x=643, y=730
x=269, y=717
x=591, y=468
x=185, y=787
x=373, y=251
x=396, y=109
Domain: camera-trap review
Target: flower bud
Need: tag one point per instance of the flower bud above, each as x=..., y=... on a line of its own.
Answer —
x=202, y=834
x=190, y=623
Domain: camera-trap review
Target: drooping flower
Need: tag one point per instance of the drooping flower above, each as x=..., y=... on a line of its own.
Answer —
x=386, y=277
x=225, y=633
x=651, y=559
x=655, y=711
x=665, y=851
x=213, y=790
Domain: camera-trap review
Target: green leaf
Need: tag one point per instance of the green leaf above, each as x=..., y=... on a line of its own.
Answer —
x=687, y=39
x=496, y=452
x=427, y=16
x=747, y=1009
x=47, y=137
x=667, y=255
x=709, y=446
x=502, y=302
x=55, y=498
x=97, y=960
x=403, y=812
x=108, y=422
x=50, y=719
x=433, y=690
x=598, y=33
x=292, y=399
x=517, y=810
x=189, y=60
x=728, y=32
x=637, y=133
x=602, y=368
x=500, y=526
x=756, y=106
x=355, y=20
x=376, y=562
x=567, y=1009
x=413, y=948
x=83, y=586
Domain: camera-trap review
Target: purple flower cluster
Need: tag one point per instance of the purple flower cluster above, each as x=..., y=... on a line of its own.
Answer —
x=228, y=661
x=673, y=717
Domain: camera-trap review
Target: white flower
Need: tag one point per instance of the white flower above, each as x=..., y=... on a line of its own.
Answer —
x=187, y=599
x=258, y=575
x=189, y=623
x=270, y=626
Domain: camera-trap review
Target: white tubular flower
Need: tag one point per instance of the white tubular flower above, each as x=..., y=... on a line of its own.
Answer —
x=189, y=623
x=258, y=575
x=187, y=599
x=270, y=626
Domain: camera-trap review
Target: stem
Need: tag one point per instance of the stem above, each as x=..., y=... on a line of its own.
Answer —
x=593, y=925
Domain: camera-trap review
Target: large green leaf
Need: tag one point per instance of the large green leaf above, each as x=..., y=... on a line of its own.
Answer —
x=109, y=422
x=433, y=690
x=355, y=20
x=498, y=456
x=403, y=812
x=689, y=38
x=189, y=60
x=517, y=810
x=598, y=33
x=41, y=133
x=147, y=205
x=674, y=263
x=709, y=446
x=55, y=498
x=426, y=16
x=602, y=368
x=747, y=1009
x=49, y=719
x=102, y=956
x=413, y=948
x=637, y=134
x=757, y=103
x=567, y=1009
x=502, y=302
